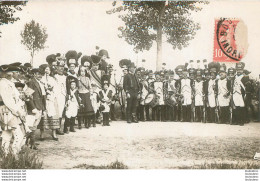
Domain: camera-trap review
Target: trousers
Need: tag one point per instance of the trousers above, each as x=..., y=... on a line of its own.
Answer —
x=18, y=136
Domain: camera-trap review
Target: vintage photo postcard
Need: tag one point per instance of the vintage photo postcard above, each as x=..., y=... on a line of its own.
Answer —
x=129, y=84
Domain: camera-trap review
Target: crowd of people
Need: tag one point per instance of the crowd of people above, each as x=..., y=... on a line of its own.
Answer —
x=75, y=90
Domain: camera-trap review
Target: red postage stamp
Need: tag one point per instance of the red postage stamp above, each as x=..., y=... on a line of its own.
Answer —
x=230, y=40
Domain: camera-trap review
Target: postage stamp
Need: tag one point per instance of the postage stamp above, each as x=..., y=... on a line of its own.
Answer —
x=230, y=40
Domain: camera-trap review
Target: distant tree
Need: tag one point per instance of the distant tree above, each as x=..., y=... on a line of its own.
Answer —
x=7, y=10
x=147, y=21
x=34, y=37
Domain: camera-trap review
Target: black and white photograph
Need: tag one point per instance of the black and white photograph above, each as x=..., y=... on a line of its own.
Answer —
x=139, y=85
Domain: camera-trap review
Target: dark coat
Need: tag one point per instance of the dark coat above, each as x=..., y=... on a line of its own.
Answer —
x=38, y=101
x=131, y=84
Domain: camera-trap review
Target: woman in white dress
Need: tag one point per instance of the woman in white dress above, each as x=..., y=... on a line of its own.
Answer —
x=51, y=119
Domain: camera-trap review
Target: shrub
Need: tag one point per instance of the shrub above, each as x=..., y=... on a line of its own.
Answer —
x=113, y=165
x=26, y=159
x=216, y=165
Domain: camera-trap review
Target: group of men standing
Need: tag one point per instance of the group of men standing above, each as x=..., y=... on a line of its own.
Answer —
x=212, y=94
x=63, y=90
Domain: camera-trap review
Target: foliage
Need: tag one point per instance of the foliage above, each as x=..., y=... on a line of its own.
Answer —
x=143, y=18
x=34, y=37
x=113, y=165
x=26, y=159
x=223, y=165
x=7, y=10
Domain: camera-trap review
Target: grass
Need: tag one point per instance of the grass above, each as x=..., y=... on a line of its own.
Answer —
x=222, y=165
x=26, y=159
x=113, y=165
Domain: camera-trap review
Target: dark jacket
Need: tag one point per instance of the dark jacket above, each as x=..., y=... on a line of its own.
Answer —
x=130, y=84
x=38, y=101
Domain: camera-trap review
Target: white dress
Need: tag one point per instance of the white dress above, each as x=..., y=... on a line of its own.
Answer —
x=60, y=92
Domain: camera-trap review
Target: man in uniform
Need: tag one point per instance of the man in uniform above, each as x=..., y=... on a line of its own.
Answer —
x=186, y=91
x=223, y=93
x=238, y=96
x=199, y=96
x=131, y=87
x=10, y=113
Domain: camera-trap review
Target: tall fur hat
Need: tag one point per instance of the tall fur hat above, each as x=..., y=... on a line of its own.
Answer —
x=95, y=59
x=125, y=63
x=86, y=61
x=103, y=52
x=214, y=67
x=50, y=59
x=72, y=57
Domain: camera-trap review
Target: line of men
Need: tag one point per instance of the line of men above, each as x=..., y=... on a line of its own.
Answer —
x=212, y=94
x=188, y=94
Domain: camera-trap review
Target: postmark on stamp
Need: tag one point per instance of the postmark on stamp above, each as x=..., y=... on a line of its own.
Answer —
x=230, y=40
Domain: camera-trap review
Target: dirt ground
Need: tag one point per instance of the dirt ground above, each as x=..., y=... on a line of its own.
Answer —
x=152, y=145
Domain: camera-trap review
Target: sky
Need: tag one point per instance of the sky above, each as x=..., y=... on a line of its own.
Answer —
x=83, y=25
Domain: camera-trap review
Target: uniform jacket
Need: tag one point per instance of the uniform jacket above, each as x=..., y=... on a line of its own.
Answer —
x=39, y=100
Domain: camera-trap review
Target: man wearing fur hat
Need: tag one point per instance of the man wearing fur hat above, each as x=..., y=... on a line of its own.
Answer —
x=72, y=61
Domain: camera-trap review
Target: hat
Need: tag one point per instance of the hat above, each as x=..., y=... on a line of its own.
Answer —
x=16, y=64
x=179, y=68
x=72, y=57
x=28, y=65
x=199, y=72
x=19, y=84
x=95, y=59
x=240, y=66
x=105, y=80
x=24, y=69
x=222, y=68
x=9, y=68
x=86, y=61
x=192, y=70
x=214, y=67
x=124, y=63
x=246, y=72
x=72, y=79
x=35, y=70
x=50, y=59
x=103, y=52
x=231, y=70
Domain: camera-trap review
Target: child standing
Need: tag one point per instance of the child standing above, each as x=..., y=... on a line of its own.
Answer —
x=72, y=106
x=105, y=98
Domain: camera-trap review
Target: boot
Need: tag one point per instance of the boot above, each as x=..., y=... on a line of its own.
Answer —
x=79, y=122
x=72, y=123
x=58, y=131
x=134, y=120
x=66, y=125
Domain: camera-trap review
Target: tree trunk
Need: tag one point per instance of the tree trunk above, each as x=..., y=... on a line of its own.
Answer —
x=32, y=55
x=159, y=39
x=159, y=49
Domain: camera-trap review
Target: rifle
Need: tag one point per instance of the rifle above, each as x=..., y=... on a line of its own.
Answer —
x=193, y=102
x=217, y=109
x=231, y=103
x=204, y=109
